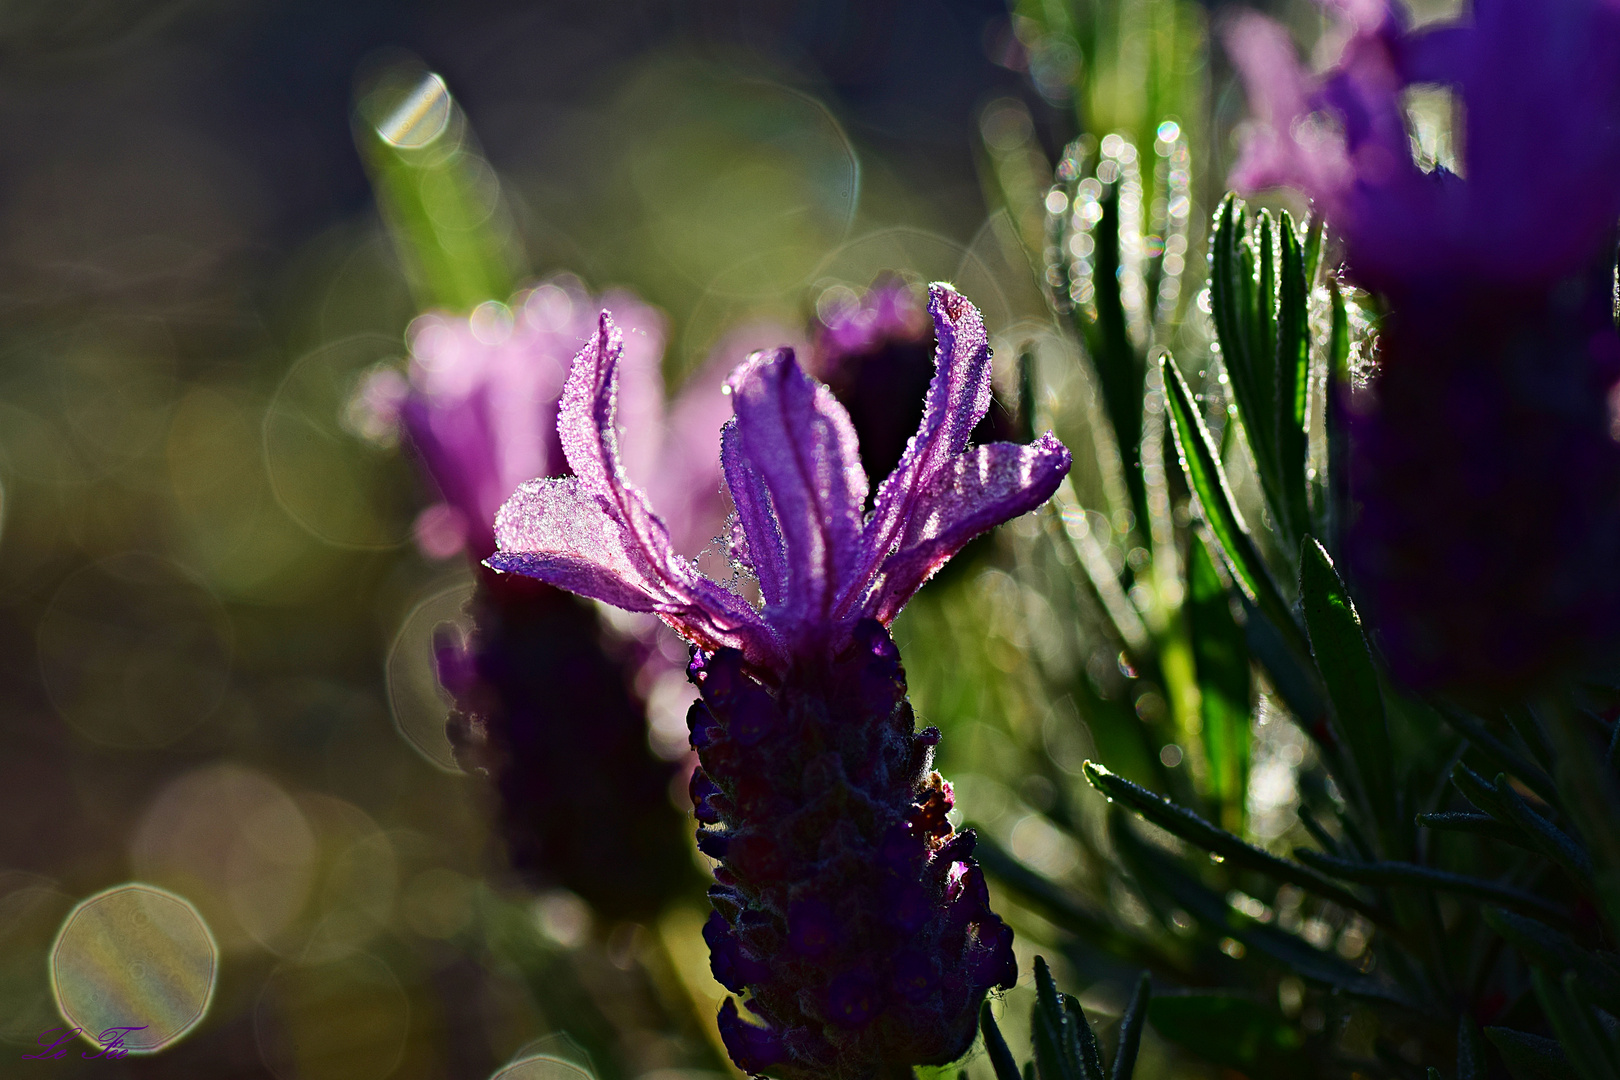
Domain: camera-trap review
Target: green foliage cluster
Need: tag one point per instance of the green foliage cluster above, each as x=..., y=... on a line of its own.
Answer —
x=1447, y=907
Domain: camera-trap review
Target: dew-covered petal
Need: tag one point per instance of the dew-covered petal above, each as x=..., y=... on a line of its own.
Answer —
x=803, y=448
x=976, y=492
x=760, y=544
x=595, y=534
x=958, y=398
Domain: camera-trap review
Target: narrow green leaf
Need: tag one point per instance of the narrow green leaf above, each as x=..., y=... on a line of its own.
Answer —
x=1225, y=293
x=1130, y=1030
x=1530, y=1057
x=1470, y=1051
x=1347, y=669
x=1165, y=877
x=1498, y=751
x=1190, y=827
x=1548, y=838
x=1427, y=877
x=1573, y=1024
x=1335, y=485
x=1225, y=684
x=1263, y=338
x=1482, y=825
x=1057, y=1055
x=1001, y=1059
x=1121, y=368
x=432, y=199
x=1220, y=512
x=1090, y=1053
x=1289, y=504
x=1557, y=951
x=1234, y=1032
x=1313, y=248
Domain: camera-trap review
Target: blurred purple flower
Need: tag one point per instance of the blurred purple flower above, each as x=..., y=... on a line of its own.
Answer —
x=1541, y=139
x=584, y=806
x=1487, y=542
x=479, y=406
x=845, y=904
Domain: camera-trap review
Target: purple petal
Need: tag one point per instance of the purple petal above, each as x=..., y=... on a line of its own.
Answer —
x=1280, y=147
x=958, y=398
x=801, y=444
x=594, y=534
x=762, y=545
x=978, y=491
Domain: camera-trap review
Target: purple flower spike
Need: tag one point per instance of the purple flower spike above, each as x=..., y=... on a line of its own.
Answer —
x=846, y=907
x=1484, y=462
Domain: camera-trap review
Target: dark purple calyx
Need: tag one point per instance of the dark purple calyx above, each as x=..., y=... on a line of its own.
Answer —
x=549, y=715
x=847, y=908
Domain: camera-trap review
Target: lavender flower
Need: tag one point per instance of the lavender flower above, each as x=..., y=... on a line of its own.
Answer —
x=1487, y=544
x=845, y=905
x=585, y=806
x=480, y=406
x=875, y=352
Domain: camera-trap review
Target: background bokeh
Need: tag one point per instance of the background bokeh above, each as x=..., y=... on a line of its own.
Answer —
x=213, y=625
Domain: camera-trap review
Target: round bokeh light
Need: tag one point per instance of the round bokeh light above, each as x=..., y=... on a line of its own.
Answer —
x=135, y=959
x=542, y=1067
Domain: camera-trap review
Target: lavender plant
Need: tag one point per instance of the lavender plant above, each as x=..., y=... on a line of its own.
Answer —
x=1397, y=576
x=846, y=906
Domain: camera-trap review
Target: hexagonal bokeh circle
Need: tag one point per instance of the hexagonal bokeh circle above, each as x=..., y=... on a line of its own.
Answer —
x=134, y=966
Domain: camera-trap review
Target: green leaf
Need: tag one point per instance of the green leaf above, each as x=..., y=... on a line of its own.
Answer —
x=1242, y=310
x=1291, y=954
x=1130, y=1030
x=1575, y=1026
x=1498, y=751
x=1121, y=367
x=1204, y=474
x=1557, y=951
x=1313, y=248
x=1221, y=660
x=1001, y=1059
x=1482, y=825
x=1060, y=1048
x=1189, y=826
x=1335, y=487
x=1291, y=507
x=434, y=200
x=1530, y=1057
x=1090, y=1052
x=1234, y=1032
x=1470, y=1051
x=1543, y=835
x=1347, y=669
x=1427, y=877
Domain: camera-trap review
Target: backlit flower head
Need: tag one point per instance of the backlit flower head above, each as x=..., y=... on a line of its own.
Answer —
x=793, y=468
x=845, y=905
